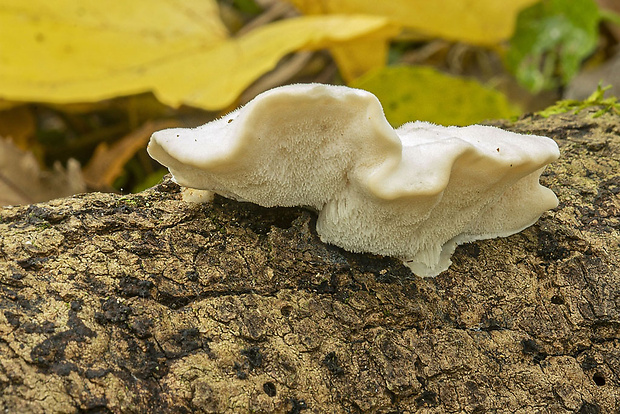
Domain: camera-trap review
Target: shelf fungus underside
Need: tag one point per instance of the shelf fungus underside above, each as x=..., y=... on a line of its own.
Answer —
x=414, y=193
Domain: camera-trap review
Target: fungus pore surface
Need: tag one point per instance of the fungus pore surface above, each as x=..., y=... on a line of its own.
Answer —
x=415, y=192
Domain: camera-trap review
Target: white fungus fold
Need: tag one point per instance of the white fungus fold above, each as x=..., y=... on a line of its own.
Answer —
x=414, y=193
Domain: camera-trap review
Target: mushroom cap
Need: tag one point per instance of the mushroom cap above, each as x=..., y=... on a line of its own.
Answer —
x=414, y=193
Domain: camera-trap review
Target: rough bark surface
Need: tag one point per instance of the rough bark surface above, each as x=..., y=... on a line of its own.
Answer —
x=147, y=304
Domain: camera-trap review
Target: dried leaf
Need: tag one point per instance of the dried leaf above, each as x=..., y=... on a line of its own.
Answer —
x=108, y=161
x=23, y=182
x=18, y=124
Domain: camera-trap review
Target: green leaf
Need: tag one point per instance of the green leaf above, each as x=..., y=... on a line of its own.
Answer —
x=421, y=93
x=551, y=40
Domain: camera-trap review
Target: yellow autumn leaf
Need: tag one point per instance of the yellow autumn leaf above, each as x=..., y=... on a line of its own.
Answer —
x=49, y=43
x=479, y=22
x=66, y=51
x=354, y=59
x=228, y=69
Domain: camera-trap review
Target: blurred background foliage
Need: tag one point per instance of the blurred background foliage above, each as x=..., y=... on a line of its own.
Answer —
x=84, y=84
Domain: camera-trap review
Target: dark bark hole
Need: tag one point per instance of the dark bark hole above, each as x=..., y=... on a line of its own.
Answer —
x=331, y=361
x=557, y=300
x=254, y=356
x=270, y=389
x=598, y=379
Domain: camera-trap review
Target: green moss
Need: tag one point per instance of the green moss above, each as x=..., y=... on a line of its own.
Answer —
x=597, y=99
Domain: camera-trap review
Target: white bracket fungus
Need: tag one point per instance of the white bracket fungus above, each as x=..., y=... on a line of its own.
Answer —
x=414, y=193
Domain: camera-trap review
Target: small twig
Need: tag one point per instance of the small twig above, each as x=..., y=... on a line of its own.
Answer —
x=274, y=12
x=278, y=76
x=423, y=53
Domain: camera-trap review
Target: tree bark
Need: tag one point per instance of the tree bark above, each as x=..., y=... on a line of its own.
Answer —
x=147, y=304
